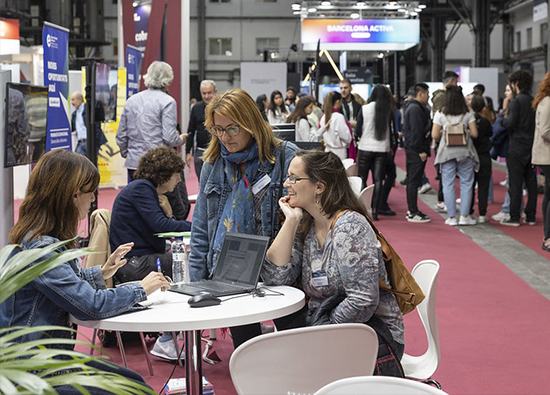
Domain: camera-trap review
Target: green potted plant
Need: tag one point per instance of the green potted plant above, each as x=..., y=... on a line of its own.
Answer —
x=32, y=367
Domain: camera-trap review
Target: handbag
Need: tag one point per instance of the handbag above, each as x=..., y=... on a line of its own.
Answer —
x=456, y=134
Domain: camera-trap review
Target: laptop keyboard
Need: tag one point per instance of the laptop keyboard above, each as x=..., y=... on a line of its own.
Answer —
x=216, y=286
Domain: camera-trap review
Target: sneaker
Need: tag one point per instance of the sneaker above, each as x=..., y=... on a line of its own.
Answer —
x=503, y=183
x=425, y=188
x=166, y=350
x=441, y=207
x=451, y=221
x=523, y=215
x=529, y=222
x=509, y=222
x=463, y=221
x=419, y=218
x=457, y=200
x=482, y=219
x=501, y=217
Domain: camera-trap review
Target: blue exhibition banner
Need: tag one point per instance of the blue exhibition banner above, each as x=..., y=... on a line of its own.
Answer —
x=134, y=56
x=56, y=77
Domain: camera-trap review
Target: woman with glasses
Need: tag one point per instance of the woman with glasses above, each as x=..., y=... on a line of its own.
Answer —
x=327, y=241
x=240, y=183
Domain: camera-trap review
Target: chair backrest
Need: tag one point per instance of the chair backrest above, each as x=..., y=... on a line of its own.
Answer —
x=378, y=385
x=100, y=226
x=366, y=198
x=348, y=162
x=425, y=273
x=303, y=360
x=355, y=183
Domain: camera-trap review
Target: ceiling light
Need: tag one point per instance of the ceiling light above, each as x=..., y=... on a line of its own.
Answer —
x=413, y=13
x=296, y=6
x=325, y=3
x=418, y=9
x=361, y=4
x=380, y=55
x=354, y=15
x=312, y=9
x=401, y=10
x=422, y=6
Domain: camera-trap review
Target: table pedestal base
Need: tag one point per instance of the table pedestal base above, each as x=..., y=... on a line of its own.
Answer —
x=193, y=362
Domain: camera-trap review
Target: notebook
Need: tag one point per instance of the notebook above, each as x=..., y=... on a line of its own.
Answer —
x=237, y=270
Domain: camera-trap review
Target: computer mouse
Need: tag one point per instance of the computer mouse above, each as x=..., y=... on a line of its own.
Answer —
x=204, y=299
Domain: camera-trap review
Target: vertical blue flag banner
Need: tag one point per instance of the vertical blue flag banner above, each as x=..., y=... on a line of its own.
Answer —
x=134, y=56
x=56, y=77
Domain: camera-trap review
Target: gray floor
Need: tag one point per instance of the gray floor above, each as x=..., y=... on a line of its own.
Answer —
x=528, y=265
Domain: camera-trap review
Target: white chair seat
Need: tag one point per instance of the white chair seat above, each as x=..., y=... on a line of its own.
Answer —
x=378, y=385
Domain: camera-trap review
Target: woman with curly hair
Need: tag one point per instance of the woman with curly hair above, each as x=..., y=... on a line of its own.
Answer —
x=541, y=150
x=138, y=215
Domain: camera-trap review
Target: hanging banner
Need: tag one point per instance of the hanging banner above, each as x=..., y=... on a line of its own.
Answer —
x=55, y=41
x=360, y=35
x=134, y=56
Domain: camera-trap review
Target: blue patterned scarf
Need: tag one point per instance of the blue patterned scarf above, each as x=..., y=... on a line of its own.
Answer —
x=238, y=212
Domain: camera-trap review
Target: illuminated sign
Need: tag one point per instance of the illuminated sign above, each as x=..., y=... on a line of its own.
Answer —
x=360, y=35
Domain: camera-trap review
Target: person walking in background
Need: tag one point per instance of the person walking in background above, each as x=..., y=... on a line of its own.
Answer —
x=149, y=118
x=521, y=126
x=78, y=124
x=482, y=144
x=373, y=133
x=417, y=125
x=452, y=158
x=350, y=106
x=337, y=133
x=198, y=136
x=541, y=150
x=304, y=132
x=277, y=112
x=500, y=142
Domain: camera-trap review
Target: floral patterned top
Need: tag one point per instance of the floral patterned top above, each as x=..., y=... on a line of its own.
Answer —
x=352, y=260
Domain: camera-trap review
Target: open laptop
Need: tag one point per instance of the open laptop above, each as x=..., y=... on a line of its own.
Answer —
x=237, y=270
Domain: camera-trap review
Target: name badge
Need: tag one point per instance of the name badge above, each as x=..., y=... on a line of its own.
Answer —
x=261, y=184
x=319, y=278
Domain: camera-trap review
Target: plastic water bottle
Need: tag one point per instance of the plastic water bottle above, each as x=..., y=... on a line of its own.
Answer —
x=180, y=270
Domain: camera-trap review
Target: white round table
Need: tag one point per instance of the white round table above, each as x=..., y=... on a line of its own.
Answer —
x=170, y=312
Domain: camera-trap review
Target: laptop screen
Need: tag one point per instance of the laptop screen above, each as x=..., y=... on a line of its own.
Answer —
x=241, y=258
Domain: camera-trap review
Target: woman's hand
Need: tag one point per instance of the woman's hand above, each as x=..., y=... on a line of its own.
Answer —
x=154, y=281
x=116, y=260
x=292, y=213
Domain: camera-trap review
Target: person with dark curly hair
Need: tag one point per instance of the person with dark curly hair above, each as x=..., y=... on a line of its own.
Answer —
x=138, y=214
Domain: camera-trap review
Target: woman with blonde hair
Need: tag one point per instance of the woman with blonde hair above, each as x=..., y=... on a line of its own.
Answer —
x=240, y=184
x=541, y=150
x=337, y=133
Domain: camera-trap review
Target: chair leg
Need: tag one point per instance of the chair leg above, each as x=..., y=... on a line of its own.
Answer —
x=175, y=337
x=93, y=341
x=213, y=334
x=146, y=352
x=121, y=348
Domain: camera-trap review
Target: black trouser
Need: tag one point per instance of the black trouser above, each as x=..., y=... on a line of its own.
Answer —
x=483, y=178
x=375, y=161
x=242, y=333
x=390, y=176
x=520, y=169
x=415, y=170
x=545, y=169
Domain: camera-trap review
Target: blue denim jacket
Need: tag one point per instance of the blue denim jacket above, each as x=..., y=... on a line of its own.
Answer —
x=64, y=290
x=213, y=192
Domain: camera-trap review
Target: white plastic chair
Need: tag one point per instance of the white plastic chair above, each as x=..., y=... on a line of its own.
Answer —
x=347, y=162
x=303, y=360
x=355, y=183
x=366, y=197
x=424, y=366
x=378, y=385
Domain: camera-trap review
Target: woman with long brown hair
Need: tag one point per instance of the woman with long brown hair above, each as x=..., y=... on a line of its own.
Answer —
x=336, y=130
x=541, y=150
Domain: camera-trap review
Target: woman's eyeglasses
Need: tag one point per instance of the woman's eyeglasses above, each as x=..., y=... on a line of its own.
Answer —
x=230, y=130
x=294, y=179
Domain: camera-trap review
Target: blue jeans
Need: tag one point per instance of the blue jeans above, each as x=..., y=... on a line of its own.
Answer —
x=466, y=175
x=81, y=148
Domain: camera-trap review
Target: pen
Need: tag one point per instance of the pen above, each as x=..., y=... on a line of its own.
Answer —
x=158, y=266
